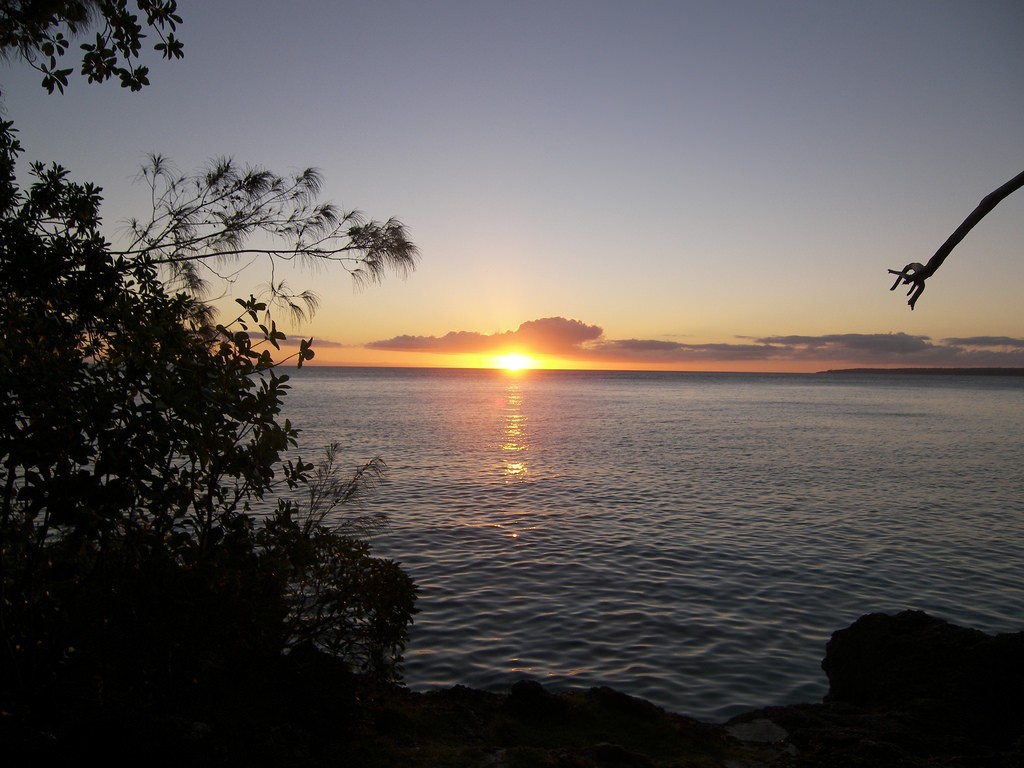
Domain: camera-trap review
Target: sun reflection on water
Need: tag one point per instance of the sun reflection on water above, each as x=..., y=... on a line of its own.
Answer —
x=514, y=445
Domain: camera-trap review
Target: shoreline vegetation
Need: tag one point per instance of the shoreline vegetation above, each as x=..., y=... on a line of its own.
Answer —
x=904, y=690
x=933, y=371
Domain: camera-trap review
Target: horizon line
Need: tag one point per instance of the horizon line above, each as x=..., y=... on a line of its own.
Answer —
x=939, y=369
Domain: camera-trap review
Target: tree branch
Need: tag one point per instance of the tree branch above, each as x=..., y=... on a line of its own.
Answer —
x=208, y=218
x=914, y=274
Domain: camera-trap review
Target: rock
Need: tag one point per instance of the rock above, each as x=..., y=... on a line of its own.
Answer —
x=529, y=699
x=761, y=730
x=613, y=756
x=621, y=703
x=964, y=678
x=883, y=659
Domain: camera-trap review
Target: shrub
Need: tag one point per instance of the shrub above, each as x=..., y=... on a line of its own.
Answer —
x=134, y=440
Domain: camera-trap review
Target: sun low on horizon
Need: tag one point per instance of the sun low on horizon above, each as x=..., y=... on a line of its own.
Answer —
x=514, y=361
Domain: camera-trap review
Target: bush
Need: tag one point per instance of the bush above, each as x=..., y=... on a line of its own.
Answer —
x=134, y=440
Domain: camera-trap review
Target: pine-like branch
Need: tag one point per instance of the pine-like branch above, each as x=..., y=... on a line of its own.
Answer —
x=200, y=223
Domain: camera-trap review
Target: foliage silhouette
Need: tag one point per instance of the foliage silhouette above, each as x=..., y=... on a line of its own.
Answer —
x=34, y=30
x=201, y=225
x=138, y=438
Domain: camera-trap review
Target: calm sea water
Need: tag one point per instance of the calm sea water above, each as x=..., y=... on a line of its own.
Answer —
x=693, y=539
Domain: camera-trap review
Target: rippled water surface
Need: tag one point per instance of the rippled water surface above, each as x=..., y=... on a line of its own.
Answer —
x=689, y=538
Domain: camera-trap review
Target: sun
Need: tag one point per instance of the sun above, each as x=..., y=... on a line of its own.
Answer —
x=514, y=362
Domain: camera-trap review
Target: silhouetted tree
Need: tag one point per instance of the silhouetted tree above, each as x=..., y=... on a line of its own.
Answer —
x=137, y=439
x=133, y=445
x=35, y=31
x=915, y=273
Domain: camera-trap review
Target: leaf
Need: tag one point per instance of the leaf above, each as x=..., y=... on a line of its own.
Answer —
x=305, y=352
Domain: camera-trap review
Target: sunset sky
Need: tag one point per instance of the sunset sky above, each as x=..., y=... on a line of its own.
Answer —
x=715, y=185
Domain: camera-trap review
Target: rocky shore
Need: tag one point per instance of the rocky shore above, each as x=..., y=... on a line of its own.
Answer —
x=904, y=690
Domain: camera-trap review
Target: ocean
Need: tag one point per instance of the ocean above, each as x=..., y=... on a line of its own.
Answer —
x=689, y=538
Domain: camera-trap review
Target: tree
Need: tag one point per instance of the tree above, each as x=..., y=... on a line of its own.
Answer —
x=34, y=30
x=137, y=437
x=915, y=273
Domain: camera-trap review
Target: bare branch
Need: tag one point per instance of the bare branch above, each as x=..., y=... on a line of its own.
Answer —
x=914, y=274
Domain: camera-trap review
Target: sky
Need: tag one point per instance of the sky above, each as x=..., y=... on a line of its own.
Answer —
x=715, y=185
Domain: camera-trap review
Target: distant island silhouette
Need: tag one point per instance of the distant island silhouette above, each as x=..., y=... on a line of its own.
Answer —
x=936, y=371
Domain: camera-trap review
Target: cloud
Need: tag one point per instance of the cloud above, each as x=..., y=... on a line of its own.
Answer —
x=555, y=335
x=653, y=351
x=452, y=343
x=860, y=347
x=318, y=343
x=575, y=340
x=854, y=343
x=903, y=349
x=986, y=341
x=549, y=335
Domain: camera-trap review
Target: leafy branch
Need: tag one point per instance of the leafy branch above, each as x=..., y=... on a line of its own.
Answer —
x=329, y=488
x=201, y=225
x=36, y=30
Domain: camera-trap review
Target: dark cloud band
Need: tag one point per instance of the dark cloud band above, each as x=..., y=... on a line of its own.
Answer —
x=586, y=343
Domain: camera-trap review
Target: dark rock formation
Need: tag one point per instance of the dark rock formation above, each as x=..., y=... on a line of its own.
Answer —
x=907, y=690
x=963, y=678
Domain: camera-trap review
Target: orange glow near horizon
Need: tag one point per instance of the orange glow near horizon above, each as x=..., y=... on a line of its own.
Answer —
x=526, y=360
x=514, y=361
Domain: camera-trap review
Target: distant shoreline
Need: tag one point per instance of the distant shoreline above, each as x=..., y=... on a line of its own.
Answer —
x=936, y=371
